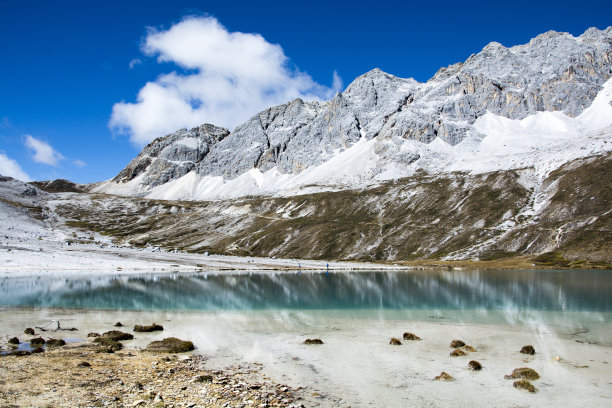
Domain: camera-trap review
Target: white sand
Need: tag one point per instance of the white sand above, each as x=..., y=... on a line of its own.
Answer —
x=357, y=367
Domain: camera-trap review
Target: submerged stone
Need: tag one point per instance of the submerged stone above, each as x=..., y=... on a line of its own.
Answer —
x=444, y=376
x=38, y=341
x=151, y=328
x=410, y=336
x=523, y=372
x=55, y=343
x=475, y=365
x=528, y=350
x=457, y=352
x=524, y=385
x=457, y=343
x=115, y=335
x=170, y=345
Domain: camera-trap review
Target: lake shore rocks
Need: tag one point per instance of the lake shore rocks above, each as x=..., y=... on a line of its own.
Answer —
x=114, y=335
x=457, y=343
x=147, y=329
x=457, y=353
x=525, y=373
x=444, y=376
x=395, y=342
x=170, y=345
x=528, y=350
x=37, y=342
x=313, y=341
x=56, y=342
x=524, y=385
x=474, y=365
x=125, y=379
x=410, y=336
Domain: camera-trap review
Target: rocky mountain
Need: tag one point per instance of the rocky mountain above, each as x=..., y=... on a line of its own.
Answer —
x=505, y=156
x=383, y=127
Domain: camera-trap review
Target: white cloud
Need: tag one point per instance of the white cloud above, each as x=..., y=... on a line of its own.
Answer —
x=10, y=168
x=135, y=62
x=79, y=163
x=42, y=152
x=232, y=77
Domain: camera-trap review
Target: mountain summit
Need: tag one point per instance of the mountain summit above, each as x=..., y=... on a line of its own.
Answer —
x=537, y=105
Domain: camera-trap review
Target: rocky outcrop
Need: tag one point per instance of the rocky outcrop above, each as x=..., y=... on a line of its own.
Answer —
x=553, y=72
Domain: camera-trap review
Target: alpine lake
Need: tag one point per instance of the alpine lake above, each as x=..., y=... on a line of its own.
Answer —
x=264, y=318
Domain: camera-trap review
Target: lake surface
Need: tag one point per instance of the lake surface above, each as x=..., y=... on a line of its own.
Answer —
x=234, y=318
x=493, y=290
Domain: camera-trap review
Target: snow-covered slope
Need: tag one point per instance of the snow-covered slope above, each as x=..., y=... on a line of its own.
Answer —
x=538, y=105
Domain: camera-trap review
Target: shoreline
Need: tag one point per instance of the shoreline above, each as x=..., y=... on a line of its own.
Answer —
x=356, y=366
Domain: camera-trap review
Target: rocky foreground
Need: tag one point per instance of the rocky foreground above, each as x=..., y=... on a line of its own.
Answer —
x=78, y=375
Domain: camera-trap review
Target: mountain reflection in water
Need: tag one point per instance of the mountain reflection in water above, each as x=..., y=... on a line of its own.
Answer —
x=457, y=290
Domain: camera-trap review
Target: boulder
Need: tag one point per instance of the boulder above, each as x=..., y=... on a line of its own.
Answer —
x=313, y=341
x=151, y=328
x=395, y=342
x=444, y=376
x=115, y=335
x=118, y=324
x=93, y=335
x=55, y=343
x=524, y=385
x=528, y=350
x=29, y=331
x=475, y=365
x=457, y=352
x=13, y=340
x=457, y=343
x=410, y=336
x=524, y=373
x=38, y=341
x=170, y=345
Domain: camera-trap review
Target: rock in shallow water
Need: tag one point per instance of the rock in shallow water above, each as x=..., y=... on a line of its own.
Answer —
x=410, y=336
x=524, y=373
x=528, y=350
x=444, y=376
x=39, y=341
x=457, y=343
x=524, y=385
x=150, y=328
x=457, y=353
x=395, y=342
x=170, y=345
x=475, y=365
x=29, y=331
x=13, y=340
x=55, y=343
x=313, y=341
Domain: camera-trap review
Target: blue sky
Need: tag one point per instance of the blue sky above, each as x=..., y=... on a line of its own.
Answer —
x=71, y=72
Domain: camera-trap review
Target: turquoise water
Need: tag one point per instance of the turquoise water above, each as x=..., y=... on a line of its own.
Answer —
x=572, y=291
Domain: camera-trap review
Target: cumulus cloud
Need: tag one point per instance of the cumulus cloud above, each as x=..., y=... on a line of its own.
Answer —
x=230, y=77
x=10, y=168
x=42, y=152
